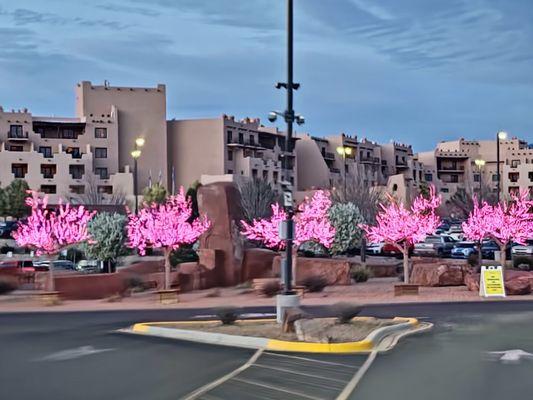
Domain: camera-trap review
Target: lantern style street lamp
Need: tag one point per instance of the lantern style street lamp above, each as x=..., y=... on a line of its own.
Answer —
x=501, y=135
x=344, y=151
x=135, y=154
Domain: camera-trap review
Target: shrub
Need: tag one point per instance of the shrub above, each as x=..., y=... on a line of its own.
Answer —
x=523, y=262
x=6, y=249
x=227, y=315
x=345, y=312
x=346, y=218
x=315, y=284
x=360, y=274
x=183, y=255
x=6, y=286
x=270, y=288
x=135, y=283
x=312, y=249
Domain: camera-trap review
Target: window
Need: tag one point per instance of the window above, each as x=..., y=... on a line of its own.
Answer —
x=530, y=174
x=230, y=136
x=230, y=155
x=106, y=189
x=394, y=187
x=275, y=176
x=74, y=152
x=100, y=133
x=100, y=152
x=241, y=138
x=102, y=173
x=76, y=171
x=68, y=133
x=514, y=176
x=19, y=170
x=16, y=148
x=46, y=151
x=77, y=189
x=265, y=174
x=428, y=177
x=445, y=190
x=477, y=177
x=15, y=131
x=515, y=163
x=49, y=189
x=254, y=173
x=454, y=178
x=495, y=178
x=48, y=170
x=230, y=171
x=252, y=140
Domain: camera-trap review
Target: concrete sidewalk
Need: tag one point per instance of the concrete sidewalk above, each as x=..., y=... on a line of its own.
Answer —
x=375, y=291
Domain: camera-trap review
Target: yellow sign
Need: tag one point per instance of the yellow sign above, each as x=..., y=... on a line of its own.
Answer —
x=491, y=282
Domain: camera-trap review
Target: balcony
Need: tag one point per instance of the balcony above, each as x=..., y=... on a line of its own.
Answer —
x=451, y=154
x=369, y=160
x=335, y=170
x=244, y=143
x=451, y=169
x=17, y=136
x=328, y=156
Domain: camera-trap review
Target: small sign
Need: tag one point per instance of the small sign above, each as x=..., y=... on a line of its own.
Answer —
x=491, y=282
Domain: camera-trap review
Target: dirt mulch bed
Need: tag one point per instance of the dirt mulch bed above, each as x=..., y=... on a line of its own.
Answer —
x=328, y=327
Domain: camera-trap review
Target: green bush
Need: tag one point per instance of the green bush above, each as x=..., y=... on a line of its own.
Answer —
x=523, y=262
x=227, y=315
x=346, y=218
x=360, y=274
x=312, y=249
x=183, y=255
x=74, y=255
x=271, y=288
x=6, y=249
x=6, y=286
x=345, y=312
x=314, y=284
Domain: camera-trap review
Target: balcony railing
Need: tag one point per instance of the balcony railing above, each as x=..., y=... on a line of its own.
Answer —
x=17, y=135
x=335, y=170
x=329, y=156
x=370, y=159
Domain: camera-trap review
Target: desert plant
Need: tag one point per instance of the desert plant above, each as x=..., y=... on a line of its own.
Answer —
x=6, y=286
x=315, y=283
x=182, y=255
x=345, y=312
x=346, y=219
x=523, y=262
x=135, y=283
x=257, y=196
x=270, y=288
x=360, y=274
x=227, y=315
x=312, y=249
x=13, y=199
x=93, y=194
x=155, y=193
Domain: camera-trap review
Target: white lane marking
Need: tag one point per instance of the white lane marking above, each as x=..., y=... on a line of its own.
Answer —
x=347, y=391
x=206, y=388
x=72, y=353
x=313, y=360
x=245, y=315
x=290, y=371
x=276, y=389
x=511, y=356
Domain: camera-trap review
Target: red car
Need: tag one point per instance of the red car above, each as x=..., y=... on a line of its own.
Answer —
x=392, y=251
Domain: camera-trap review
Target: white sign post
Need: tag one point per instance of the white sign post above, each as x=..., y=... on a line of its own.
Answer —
x=491, y=282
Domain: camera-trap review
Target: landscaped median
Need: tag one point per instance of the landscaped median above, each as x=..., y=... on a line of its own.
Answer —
x=266, y=334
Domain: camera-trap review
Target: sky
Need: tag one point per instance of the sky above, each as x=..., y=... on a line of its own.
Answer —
x=413, y=71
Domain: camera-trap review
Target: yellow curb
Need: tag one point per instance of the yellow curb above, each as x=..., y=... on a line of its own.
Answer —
x=362, y=346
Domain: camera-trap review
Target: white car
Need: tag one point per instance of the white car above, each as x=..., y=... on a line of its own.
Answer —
x=521, y=250
x=456, y=233
x=375, y=248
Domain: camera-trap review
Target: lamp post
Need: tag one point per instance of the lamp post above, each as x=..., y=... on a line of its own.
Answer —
x=480, y=164
x=343, y=152
x=501, y=135
x=136, y=153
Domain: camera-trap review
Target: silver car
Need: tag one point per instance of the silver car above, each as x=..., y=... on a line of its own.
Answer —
x=435, y=246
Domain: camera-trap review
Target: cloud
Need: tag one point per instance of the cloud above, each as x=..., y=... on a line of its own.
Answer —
x=374, y=9
x=125, y=9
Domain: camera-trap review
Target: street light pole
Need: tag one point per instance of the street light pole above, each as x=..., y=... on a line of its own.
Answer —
x=500, y=135
x=136, y=153
x=480, y=163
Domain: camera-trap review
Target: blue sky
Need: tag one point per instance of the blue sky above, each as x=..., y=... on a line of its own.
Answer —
x=416, y=71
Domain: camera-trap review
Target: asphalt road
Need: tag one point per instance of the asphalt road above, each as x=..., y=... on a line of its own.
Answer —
x=56, y=355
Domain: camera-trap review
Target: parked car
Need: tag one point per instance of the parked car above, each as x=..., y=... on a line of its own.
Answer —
x=375, y=248
x=523, y=250
x=456, y=232
x=6, y=227
x=464, y=249
x=443, y=228
x=21, y=265
x=488, y=247
x=59, y=265
x=88, y=266
x=392, y=251
x=435, y=246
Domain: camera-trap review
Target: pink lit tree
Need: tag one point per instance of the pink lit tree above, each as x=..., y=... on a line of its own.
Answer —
x=311, y=224
x=165, y=225
x=50, y=231
x=403, y=227
x=504, y=222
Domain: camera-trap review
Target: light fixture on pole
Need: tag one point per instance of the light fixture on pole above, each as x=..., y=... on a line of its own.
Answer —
x=501, y=135
x=344, y=151
x=480, y=164
x=135, y=154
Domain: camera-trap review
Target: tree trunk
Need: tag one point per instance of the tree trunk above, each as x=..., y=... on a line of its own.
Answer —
x=167, y=268
x=405, y=252
x=503, y=255
x=51, y=281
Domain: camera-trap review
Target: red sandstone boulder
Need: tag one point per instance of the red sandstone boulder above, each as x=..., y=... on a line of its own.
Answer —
x=257, y=263
x=433, y=274
x=334, y=271
x=517, y=287
x=472, y=282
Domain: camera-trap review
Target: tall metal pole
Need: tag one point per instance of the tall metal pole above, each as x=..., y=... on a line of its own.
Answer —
x=498, y=164
x=135, y=185
x=344, y=155
x=289, y=119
